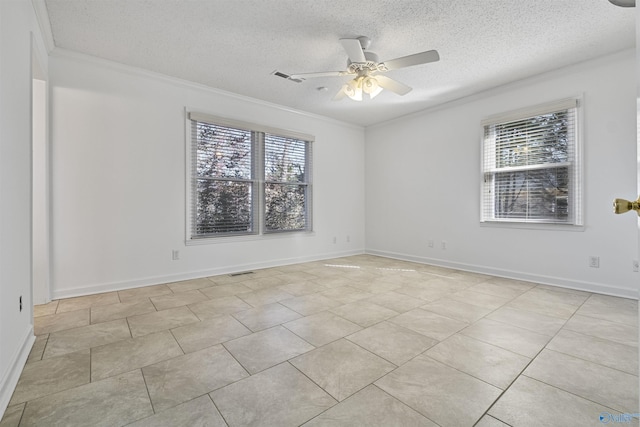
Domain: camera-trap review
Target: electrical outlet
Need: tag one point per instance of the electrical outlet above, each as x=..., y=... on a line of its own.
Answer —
x=430, y=243
x=175, y=255
x=594, y=261
x=635, y=265
x=335, y=240
x=348, y=239
x=443, y=245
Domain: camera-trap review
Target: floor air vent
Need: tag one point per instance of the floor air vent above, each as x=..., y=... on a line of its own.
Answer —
x=241, y=274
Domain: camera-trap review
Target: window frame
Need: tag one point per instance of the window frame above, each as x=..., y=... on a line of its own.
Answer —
x=259, y=230
x=575, y=166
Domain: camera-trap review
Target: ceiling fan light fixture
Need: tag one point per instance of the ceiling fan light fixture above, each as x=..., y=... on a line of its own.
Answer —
x=371, y=87
x=353, y=89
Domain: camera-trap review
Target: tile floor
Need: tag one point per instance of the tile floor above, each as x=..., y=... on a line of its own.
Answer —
x=357, y=341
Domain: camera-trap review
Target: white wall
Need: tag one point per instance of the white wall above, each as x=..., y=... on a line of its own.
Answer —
x=423, y=181
x=17, y=24
x=118, y=165
x=40, y=200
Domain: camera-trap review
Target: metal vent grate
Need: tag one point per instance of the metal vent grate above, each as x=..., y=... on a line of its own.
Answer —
x=286, y=76
x=240, y=274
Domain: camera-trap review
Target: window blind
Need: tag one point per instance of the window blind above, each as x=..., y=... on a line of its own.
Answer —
x=531, y=170
x=286, y=187
x=223, y=180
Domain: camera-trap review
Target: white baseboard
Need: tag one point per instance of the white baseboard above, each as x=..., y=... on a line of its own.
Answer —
x=156, y=280
x=599, y=288
x=16, y=364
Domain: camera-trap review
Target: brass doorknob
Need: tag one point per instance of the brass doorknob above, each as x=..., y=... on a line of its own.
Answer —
x=621, y=206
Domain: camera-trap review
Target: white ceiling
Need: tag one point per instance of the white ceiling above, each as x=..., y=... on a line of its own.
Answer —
x=235, y=45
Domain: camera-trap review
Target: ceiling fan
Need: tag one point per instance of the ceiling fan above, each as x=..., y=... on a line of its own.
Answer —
x=367, y=70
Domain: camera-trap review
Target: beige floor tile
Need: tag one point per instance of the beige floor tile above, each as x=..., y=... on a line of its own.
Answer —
x=539, y=323
x=12, y=416
x=114, y=401
x=396, y=302
x=501, y=290
x=179, y=299
x=145, y=324
x=442, y=394
x=310, y=304
x=512, y=338
x=190, y=285
x=342, y=368
x=264, y=349
x=531, y=403
x=392, y=342
x=484, y=361
x=59, y=322
x=106, y=313
x=260, y=283
x=377, y=286
x=86, y=337
x=480, y=299
x=346, y=294
x=279, y=396
x=429, y=324
x=199, y=335
x=606, y=386
x=130, y=295
x=551, y=294
x=133, y=353
x=427, y=294
x=605, y=352
x=217, y=306
x=266, y=316
x=468, y=278
x=446, y=284
x=199, y=412
x=228, y=290
x=298, y=289
x=50, y=376
x=334, y=281
x=364, y=313
x=599, y=328
x=613, y=309
x=38, y=348
x=532, y=302
x=88, y=301
x=489, y=421
x=265, y=296
x=322, y=328
x=183, y=378
x=370, y=407
x=457, y=310
x=45, y=309
x=227, y=279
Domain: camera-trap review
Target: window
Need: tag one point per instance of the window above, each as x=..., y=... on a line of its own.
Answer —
x=247, y=179
x=531, y=169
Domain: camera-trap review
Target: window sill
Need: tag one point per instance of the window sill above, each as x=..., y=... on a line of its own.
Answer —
x=249, y=238
x=532, y=226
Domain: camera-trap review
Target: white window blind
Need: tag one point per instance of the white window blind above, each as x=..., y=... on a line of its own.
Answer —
x=531, y=169
x=286, y=186
x=242, y=172
x=223, y=183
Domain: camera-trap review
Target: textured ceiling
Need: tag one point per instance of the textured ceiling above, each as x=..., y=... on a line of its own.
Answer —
x=235, y=45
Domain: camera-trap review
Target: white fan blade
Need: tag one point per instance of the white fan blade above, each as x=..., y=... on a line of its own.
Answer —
x=321, y=74
x=392, y=85
x=354, y=50
x=411, y=60
x=341, y=94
